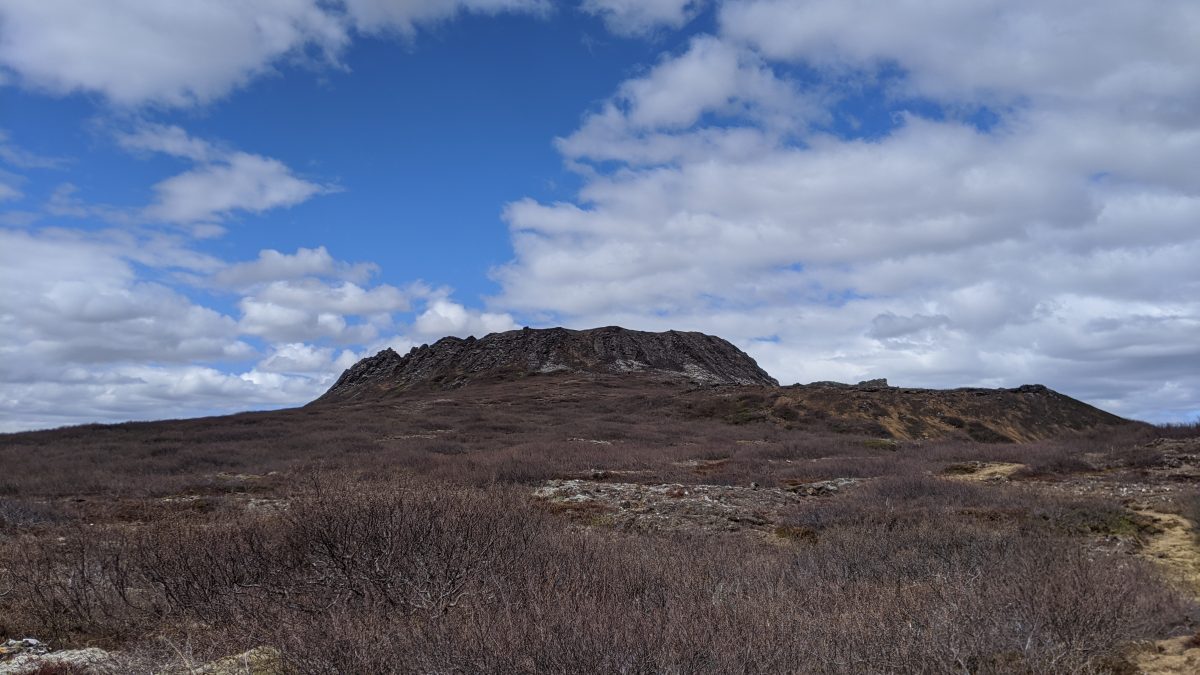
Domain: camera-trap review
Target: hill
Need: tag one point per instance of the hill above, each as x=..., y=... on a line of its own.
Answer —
x=453, y=362
x=714, y=379
x=1026, y=413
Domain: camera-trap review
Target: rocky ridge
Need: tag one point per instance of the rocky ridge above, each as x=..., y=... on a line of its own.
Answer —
x=453, y=362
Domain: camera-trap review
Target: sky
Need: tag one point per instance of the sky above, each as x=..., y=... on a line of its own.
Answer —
x=219, y=206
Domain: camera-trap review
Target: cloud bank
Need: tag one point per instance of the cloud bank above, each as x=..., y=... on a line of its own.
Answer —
x=93, y=337
x=1028, y=215
x=944, y=194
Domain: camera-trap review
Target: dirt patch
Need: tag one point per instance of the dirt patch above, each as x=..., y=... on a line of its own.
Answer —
x=703, y=467
x=1177, y=655
x=982, y=471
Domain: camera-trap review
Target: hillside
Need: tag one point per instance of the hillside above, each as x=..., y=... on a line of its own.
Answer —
x=709, y=377
x=1026, y=413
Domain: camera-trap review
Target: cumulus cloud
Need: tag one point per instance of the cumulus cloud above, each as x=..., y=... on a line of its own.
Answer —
x=1109, y=52
x=309, y=295
x=241, y=182
x=445, y=317
x=99, y=335
x=652, y=119
x=135, y=52
x=90, y=307
x=223, y=182
x=167, y=139
x=1054, y=244
x=86, y=338
x=147, y=392
x=298, y=357
x=639, y=17
x=311, y=309
x=272, y=265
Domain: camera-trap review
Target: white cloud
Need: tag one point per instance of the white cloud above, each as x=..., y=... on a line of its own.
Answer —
x=91, y=328
x=89, y=307
x=1056, y=246
x=137, y=392
x=311, y=308
x=1108, y=52
x=83, y=338
x=444, y=317
x=167, y=139
x=309, y=295
x=298, y=357
x=711, y=76
x=137, y=51
x=222, y=183
x=652, y=119
x=639, y=17
x=241, y=182
x=344, y=297
x=272, y=265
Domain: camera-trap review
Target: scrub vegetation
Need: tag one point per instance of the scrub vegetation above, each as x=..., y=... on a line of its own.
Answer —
x=418, y=534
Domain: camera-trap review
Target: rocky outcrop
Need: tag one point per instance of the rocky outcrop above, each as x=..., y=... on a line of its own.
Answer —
x=452, y=362
x=29, y=656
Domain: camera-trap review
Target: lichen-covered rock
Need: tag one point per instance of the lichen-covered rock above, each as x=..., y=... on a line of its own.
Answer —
x=27, y=656
x=679, y=507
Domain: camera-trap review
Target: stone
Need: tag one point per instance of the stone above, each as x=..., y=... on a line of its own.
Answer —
x=29, y=655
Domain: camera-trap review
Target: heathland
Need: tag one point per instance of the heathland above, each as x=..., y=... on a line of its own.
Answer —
x=604, y=501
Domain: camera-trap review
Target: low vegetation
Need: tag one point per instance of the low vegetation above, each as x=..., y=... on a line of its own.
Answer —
x=405, y=537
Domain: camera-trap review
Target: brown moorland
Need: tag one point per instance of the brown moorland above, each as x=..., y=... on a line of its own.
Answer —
x=585, y=522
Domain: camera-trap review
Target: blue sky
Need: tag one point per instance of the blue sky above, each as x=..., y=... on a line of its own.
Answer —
x=208, y=208
x=423, y=140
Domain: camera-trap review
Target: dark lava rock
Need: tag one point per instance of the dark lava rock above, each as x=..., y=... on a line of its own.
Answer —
x=452, y=362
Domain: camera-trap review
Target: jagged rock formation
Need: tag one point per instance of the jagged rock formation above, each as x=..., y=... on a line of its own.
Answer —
x=452, y=362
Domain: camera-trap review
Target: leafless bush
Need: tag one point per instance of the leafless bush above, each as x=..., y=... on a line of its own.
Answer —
x=385, y=576
x=1180, y=430
x=23, y=513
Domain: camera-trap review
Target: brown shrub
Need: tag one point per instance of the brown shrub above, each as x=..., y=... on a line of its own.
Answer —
x=385, y=576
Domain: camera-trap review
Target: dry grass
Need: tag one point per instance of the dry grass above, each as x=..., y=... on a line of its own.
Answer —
x=401, y=537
